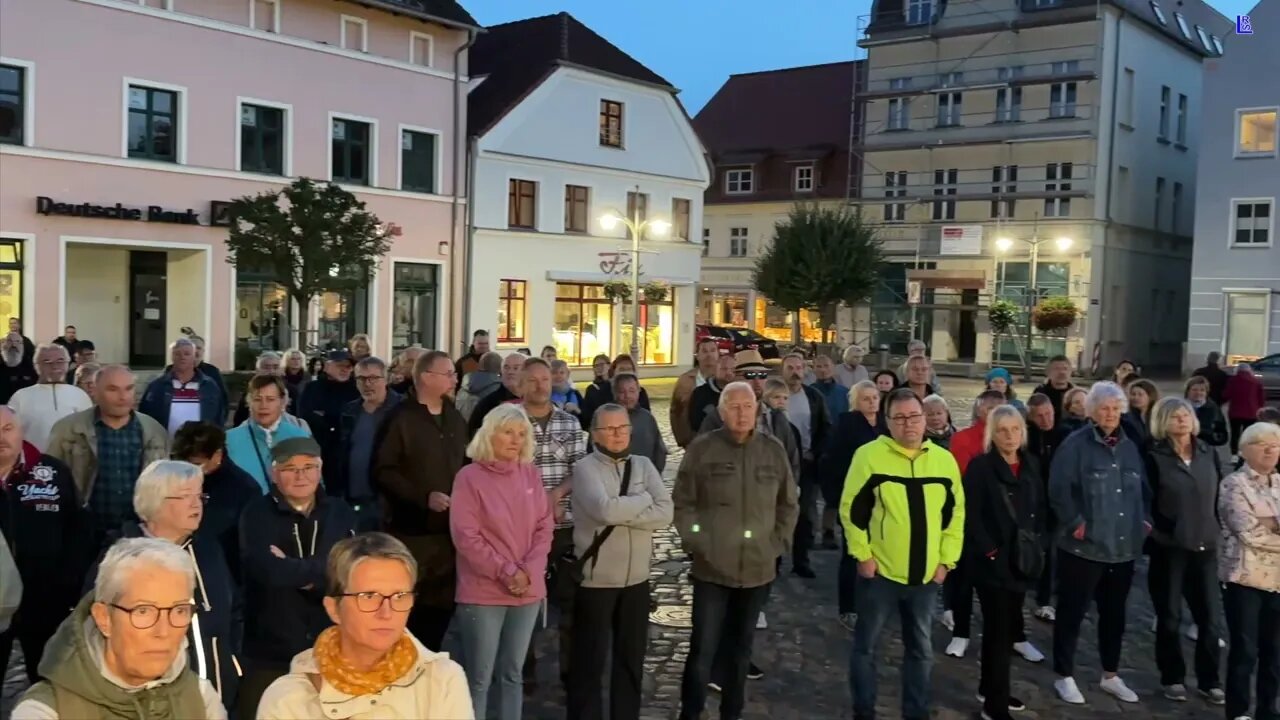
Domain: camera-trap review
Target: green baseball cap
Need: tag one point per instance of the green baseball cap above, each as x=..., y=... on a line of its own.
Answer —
x=293, y=447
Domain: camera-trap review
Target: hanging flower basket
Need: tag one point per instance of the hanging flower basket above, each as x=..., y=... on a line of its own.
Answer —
x=655, y=291
x=1054, y=314
x=616, y=291
x=1002, y=314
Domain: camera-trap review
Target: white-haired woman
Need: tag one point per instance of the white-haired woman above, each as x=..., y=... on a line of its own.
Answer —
x=1183, y=472
x=120, y=651
x=938, y=427
x=1004, y=517
x=1249, y=565
x=501, y=525
x=295, y=375
x=1099, y=493
x=367, y=663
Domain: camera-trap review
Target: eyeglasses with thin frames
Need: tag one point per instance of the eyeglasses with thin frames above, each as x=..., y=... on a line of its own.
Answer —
x=145, y=616
x=308, y=469
x=370, y=602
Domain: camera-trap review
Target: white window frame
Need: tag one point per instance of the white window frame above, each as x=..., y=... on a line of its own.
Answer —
x=168, y=4
x=950, y=106
x=803, y=177
x=738, y=176
x=1184, y=113
x=179, y=90
x=287, y=109
x=1266, y=315
x=1058, y=207
x=1068, y=97
x=364, y=32
x=899, y=117
x=914, y=8
x=414, y=37
x=29, y=102
x=1236, y=151
x=1155, y=8
x=437, y=173
x=275, y=15
x=738, y=240
x=1166, y=110
x=373, y=147
x=1231, y=222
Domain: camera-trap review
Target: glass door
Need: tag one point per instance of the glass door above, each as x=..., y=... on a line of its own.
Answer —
x=415, y=305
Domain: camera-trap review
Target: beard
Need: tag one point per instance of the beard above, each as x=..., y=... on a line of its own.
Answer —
x=12, y=356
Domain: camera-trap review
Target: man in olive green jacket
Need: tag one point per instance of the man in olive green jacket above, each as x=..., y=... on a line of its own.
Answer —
x=735, y=509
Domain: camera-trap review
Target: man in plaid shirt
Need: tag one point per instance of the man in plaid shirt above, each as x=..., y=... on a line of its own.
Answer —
x=559, y=442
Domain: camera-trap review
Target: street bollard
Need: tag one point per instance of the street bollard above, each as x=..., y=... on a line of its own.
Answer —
x=884, y=356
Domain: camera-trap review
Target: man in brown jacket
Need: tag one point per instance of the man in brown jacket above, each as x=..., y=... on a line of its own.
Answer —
x=420, y=448
x=708, y=353
x=735, y=510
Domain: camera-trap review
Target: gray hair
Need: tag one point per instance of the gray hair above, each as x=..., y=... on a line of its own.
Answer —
x=481, y=447
x=859, y=387
x=1163, y=412
x=934, y=399
x=88, y=372
x=738, y=386
x=43, y=348
x=159, y=480
x=350, y=552
x=998, y=415
x=1260, y=432
x=491, y=362
x=852, y=352
x=916, y=345
x=775, y=384
x=604, y=410
x=1102, y=392
x=130, y=554
x=182, y=342
x=372, y=361
x=291, y=353
x=264, y=357
x=987, y=398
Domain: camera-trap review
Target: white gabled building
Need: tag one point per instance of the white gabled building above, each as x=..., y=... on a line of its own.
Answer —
x=565, y=127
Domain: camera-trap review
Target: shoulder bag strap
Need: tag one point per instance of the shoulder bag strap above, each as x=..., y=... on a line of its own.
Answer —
x=594, y=549
x=266, y=474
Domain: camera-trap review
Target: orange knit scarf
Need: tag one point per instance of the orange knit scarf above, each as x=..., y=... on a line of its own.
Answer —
x=340, y=674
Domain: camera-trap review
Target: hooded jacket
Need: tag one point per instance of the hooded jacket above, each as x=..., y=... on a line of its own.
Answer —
x=435, y=688
x=78, y=686
x=624, y=558
x=1213, y=426
x=475, y=387
x=229, y=489
x=74, y=440
x=283, y=610
x=47, y=531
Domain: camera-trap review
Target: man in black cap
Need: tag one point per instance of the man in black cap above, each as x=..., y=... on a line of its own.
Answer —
x=322, y=402
x=285, y=538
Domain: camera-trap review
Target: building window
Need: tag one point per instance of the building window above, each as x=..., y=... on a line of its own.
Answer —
x=895, y=186
x=949, y=112
x=1009, y=103
x=681, y=214
x=1004, y=181
x=1252, y=222
x=354, y=34
x=1165, y=95
x=944, y=185
x=1182, y=25
x=263, y=319
x=11, y=278
x=418, y=161
x=1181, y=137
x=1159, y=203
x=262, y=139
x=919, y=12
x=13, y=104
x=1246, y=325
x=1155, y=8
x=1256, y=132
x=1126, y=97
x=739, y=182
x=657, y=330
x=353, y=152
x=803, y=180
x=583, y=323
x=153, y=124
x=522, y=199
x=421, y=49
x=577, y=200
x=1057, y=179
x=899, y=114
x=1177, y=205
x=415, y=305
x=511, y=308
x=264, y=15
x=737, y=242
x=706, y=242
x=611, y=123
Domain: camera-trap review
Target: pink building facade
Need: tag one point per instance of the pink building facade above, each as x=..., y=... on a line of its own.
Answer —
x=119, y=141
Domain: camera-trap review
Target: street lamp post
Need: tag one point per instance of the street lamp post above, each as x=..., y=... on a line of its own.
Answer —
x=1002, y=246
x=659, y=227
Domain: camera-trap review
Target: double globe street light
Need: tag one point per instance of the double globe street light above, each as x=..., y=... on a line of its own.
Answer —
x=658, y=228
x=1004, y=245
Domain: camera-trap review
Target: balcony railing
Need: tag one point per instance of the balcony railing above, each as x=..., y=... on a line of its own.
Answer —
x=978, y=184
x=989, y=71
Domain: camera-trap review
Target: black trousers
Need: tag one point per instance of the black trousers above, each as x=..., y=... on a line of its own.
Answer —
x=1080, y=582
x=807, y=521
x=720, y=615
x=35, y=622
x=1044, y=586
x=598, y=615
x=429, y=624
x=957, y=592
x=1175, y=574
x=1238, y=426
x=1001, y=626
x=1253, y=622
x=560, y=595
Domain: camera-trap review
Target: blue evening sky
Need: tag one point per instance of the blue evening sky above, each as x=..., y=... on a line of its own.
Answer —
x=697, y=44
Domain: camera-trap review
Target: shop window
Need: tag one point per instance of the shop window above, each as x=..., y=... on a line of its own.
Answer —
x=657, y=323
x=153, y=124
x=583, y=324
x=417, y=161
x=415, y=305
x=13, y=104
x=262, y=139
x=352, y=153
x=10, y=279
x=776, y=323
x=1246, y=325
x=263, y=318
x=512, y=295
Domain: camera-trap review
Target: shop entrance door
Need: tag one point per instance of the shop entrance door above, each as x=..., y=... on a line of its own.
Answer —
x=148, y=298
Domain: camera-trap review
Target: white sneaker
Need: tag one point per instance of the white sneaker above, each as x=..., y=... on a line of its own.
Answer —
x=1046, y=613
x=761, y=622
x=957, y=647
x=1115, y=687
x=1067, y=691
x=1028, y=652
x=948, y=620
x=1193, y=632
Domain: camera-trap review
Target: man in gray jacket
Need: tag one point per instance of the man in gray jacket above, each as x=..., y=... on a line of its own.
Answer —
x=736, y=510
x=613, y=599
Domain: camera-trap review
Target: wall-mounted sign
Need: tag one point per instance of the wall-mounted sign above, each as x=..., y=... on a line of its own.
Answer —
x=152, y=213
x=961, y=240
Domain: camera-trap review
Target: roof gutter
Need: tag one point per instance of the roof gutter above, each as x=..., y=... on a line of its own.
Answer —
x=459, y=157
x=397, y=9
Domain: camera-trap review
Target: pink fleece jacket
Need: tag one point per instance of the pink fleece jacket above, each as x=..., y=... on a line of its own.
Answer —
x=501, y=522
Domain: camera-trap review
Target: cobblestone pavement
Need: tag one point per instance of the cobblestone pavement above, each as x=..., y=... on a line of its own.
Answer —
x=804, y=652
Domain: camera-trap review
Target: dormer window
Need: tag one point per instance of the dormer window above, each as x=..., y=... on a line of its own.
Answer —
x=1204, y=39
x=739, y=181
x=1155, y=8
x=919, y=12
x=1182, y=25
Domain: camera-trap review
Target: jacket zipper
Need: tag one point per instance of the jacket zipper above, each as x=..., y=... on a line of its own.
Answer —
x=197, y=640
x=742, y=554
x=315, y=530
x=217, y=666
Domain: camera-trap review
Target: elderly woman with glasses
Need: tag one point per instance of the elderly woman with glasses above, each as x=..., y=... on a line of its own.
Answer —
x=119, y=654
x=169, y=498
x=1249, y=566
x=249, y=443
x=367, y=665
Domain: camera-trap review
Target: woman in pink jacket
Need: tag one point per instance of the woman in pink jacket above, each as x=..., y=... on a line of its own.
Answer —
x=501, y=524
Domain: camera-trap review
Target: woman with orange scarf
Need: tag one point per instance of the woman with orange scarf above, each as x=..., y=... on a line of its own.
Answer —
x=367, y=666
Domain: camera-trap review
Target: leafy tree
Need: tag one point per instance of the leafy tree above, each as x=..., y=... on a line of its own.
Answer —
x=820, y=257
x=312, y=237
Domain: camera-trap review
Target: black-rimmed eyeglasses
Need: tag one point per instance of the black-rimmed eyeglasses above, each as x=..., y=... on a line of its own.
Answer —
x=145, y=616
x=370, y=602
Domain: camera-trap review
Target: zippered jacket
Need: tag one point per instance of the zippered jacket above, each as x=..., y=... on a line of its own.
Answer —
x=624, y=558
x=906, y=513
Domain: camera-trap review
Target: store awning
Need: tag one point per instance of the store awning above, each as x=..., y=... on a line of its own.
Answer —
x=953, y=279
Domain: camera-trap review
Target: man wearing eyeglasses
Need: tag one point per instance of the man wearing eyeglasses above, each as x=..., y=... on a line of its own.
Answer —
x=49, y=400
x=357, y=428
x=646, y=438
x=903, y=515
x=285, y=538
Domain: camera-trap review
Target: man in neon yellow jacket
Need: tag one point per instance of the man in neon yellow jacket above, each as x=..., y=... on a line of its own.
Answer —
x=903, y=514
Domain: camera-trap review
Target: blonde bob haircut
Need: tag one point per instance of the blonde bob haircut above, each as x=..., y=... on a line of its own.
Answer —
x=1162, y=414
x=859, y=387
x=998, y=415
x=481, y=446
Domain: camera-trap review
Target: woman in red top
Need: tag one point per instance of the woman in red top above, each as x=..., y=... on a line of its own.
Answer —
x=1244, y=396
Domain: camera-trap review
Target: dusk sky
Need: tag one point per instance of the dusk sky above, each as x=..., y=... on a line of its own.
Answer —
x=697, y=44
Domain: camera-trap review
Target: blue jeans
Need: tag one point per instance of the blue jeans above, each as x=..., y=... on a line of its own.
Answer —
x=494, y=639
x=878, y=600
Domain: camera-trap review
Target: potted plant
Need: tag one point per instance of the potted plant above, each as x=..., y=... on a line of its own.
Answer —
x=1055, y=313
x=616, y=291
x=1002, y=314
x=655, y=291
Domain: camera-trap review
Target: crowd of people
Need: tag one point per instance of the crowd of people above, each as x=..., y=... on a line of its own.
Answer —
x=314, y=559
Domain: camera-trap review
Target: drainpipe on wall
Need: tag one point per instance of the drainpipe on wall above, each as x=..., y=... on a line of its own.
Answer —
x=459, y=157
x=473, y=145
